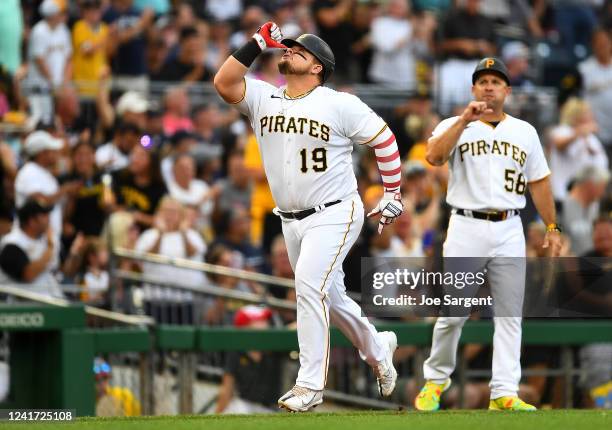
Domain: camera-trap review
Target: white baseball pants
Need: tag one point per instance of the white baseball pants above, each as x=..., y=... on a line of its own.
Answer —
x=470, y=237
x=317, y=246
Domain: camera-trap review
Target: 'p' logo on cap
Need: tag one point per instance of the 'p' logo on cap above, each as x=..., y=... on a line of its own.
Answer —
x=489, y=62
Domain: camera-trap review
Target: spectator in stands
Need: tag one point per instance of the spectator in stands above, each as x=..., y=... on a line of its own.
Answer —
x=189, y=65
x=183, y=142
x=49, y=58
x=172, y=236
x=236, y=188
x=466, y=36
x=250, y=21
x=139, y=187
x=218, y=48
x=86, y=264
x=207, y=121
x=86, y=210
x=408, y=237
x=223, y=10
x=89, y=41
x=574, y=145
x=596, y=75
x=36, y=180
x=132, y=107
x=219, y=310
x=581, y=207
x=157, y=54
x=127, y=46
x=422, y=190
x=112, y=400
x=281, y=267
x=8, y=171
x=193, y=193
x=516, y=58
x=11, y=23
x=114, y=155
x=251, y=379
x=176, y=102
x=331, y=17
x=361, y=47
x=27, y=253
x=596, y=359
x=575, y=21
x=392, y=38
x=70, y=122
x=264, y=225
x=233, y=229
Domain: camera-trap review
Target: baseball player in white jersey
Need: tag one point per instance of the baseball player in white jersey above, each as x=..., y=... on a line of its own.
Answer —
x=493, y=159
x=305, y=133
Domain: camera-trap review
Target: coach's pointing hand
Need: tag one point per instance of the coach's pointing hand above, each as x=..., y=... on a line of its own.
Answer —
x=389, y=208
x=269, y=36
x=474, y=111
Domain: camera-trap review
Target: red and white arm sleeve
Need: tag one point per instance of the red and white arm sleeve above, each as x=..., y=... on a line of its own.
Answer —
x=388, y=159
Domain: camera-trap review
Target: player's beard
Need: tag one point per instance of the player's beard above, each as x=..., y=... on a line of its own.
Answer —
x=286, y=68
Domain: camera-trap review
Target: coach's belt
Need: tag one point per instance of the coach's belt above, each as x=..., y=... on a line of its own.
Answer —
x=488, y=216
x=307, y=212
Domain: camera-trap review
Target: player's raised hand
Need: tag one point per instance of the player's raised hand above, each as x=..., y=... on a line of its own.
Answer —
x=389, y=208
x=475, y=110
x=269, y=36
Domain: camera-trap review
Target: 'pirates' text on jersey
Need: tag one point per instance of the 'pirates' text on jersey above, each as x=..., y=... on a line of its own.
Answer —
x=306, y=142
x=490, y=167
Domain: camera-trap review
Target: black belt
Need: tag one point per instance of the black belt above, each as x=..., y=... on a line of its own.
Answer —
x=307, y=212
x=488, y=216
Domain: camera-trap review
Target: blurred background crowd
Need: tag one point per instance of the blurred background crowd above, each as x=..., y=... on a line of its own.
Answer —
x=111, y=136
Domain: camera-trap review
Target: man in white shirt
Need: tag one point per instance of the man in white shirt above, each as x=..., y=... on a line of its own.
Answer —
x=27, y=252
x=35, y=179
x=597, y=84
x=49, y=57
x=114, y=155
x=393, y=41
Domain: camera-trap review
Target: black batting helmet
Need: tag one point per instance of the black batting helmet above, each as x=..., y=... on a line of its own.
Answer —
x=317, y=47
x=491, y=64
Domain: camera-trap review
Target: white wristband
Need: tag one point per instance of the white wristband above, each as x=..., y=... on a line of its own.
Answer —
x=260, y=41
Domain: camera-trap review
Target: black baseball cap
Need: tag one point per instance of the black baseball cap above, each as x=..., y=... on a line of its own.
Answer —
x=31, y=208
x=491, y=65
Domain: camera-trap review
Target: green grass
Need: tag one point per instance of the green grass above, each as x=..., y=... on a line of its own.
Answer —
x=446, y=420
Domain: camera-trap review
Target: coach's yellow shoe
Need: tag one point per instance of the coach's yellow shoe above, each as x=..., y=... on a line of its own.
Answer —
x=510, y=403
x=429, y=397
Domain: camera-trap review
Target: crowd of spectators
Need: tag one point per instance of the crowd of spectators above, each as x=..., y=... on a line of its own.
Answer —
x=103, y=142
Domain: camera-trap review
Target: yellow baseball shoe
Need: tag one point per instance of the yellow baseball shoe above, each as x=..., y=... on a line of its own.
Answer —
x=510, y=403
x=429, y=397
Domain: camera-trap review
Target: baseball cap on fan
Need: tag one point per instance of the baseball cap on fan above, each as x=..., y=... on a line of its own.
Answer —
x=249, y=314
x=50, y=8
x=491, y=65
x=39, y=141
x=132, y=101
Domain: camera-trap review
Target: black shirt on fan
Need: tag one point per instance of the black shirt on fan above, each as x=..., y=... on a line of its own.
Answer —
x=136, y=197
x=88, y=214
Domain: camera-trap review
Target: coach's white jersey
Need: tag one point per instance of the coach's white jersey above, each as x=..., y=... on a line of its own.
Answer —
x=306, y=142
x=490, y=167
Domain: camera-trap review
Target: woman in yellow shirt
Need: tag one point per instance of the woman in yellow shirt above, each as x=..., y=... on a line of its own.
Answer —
x=89, y=41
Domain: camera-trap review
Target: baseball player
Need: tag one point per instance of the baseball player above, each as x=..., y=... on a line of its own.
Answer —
x=305, y=132
x=493, y=159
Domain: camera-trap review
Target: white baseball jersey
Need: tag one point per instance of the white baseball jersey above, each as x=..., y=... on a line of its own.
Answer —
x=306, y=142
x=490, y=167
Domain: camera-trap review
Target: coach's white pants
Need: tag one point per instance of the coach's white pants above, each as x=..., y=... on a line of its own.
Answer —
x=317, y=246
x=469, y=237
